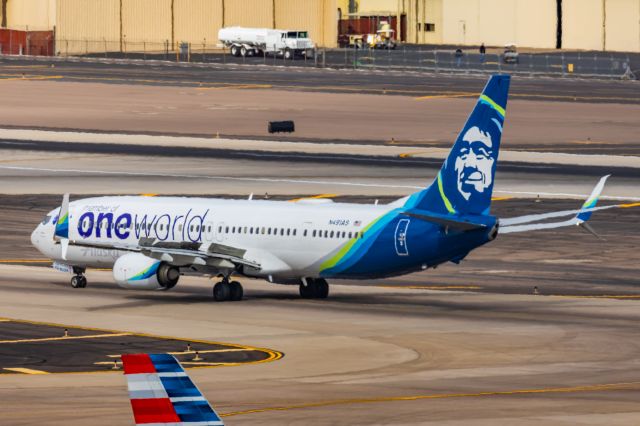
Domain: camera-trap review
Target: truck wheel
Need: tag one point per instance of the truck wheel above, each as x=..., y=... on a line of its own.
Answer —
x=288, y=54
x=235, y=51
x=243, y=51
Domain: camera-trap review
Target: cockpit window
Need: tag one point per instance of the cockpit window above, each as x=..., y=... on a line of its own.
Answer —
x=46, y=219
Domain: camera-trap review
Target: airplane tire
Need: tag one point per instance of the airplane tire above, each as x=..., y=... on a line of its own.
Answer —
x=306, y=290
x=221, y=292
x=322, y=289
x=78, y=281
x=236, y=292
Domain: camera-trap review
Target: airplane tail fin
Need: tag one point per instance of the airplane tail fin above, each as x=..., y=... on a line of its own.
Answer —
x=465, y=182
x=162, y=393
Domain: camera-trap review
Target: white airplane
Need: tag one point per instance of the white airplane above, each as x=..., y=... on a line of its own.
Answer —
x=151, y=241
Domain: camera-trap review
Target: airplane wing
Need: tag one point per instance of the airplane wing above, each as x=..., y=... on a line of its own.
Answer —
x=537, y=222
x=161, y=393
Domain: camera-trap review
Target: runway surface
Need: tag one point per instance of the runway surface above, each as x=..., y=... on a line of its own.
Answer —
x=36, y=172
x=315, y=80
x=46, y=348
x=232, y=111
x=368, y=354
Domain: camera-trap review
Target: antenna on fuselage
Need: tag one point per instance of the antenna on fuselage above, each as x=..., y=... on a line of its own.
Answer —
x=251, y=196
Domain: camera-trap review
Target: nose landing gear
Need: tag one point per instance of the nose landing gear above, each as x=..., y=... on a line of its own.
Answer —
x=78, y=280
x=227, y=291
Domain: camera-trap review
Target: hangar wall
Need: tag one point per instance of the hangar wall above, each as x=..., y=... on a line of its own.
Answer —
x=197, y=28
x=38, y=15
x=622, y=20
x=499, y=22
x=582, y=24
x=89, y=25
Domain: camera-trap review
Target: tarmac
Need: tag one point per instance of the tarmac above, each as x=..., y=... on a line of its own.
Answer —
x=537, y=328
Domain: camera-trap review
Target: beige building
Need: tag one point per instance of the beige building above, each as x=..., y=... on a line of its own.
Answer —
x=92, y=24
x=612, y=25
x=33, y=15
x=98, y=25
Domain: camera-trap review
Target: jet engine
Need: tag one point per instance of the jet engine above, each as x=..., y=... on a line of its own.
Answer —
x=139, y=272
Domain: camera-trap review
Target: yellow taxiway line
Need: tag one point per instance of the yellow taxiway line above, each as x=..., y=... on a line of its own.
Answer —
x=313, y=197
x=237, y=86
x=448, y=95
x=41, y=77
x=273, y=355
x=50, y=339
x=25, y=370
x=570, y=389
x=433, y=287
x=192, y=352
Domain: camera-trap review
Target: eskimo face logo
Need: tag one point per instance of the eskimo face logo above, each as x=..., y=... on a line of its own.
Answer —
x=474, y=162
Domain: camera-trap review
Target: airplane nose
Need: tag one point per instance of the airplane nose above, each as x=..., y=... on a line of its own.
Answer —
x=36, y=237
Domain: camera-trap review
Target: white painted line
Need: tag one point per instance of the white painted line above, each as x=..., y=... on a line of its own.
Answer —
x=299, y=181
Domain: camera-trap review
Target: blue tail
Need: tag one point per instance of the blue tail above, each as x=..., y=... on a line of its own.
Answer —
x=465, y=181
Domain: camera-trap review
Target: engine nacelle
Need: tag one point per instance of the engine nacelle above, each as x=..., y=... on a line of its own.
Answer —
x=139, y=272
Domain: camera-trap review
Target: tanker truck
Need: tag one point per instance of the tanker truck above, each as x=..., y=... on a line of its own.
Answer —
x=258, y=41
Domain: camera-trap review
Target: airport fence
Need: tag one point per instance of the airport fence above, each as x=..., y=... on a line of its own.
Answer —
x=404, y=58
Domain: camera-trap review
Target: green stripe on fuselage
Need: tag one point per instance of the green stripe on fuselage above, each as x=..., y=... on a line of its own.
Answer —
x=344, y=251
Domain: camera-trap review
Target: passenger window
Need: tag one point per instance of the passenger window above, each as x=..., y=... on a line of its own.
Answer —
x=219, y=229
x=304, y=234
x=313, y=234
x=180, y=228
x=294, y=232
x=263, y=230
x=326, y=234
x=226, y=230
x=288, y=231
x=268, y=231
x=331, y=234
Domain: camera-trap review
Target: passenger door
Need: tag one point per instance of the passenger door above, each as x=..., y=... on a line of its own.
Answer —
x=401, y=237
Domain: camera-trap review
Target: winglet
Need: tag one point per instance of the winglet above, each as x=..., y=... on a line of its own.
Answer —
x=584, y=216
x=62, y=225
x=162, y=393
x=61, y=232
x=591, y=202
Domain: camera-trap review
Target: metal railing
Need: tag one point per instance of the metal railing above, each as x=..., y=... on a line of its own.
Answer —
x=404, y=58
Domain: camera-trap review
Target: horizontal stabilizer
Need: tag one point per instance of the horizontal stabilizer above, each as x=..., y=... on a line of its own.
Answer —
x=445, y=220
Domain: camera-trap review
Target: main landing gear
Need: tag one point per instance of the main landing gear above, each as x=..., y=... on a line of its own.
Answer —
x=78, y=280
x=315, y=288
x=227, y=291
